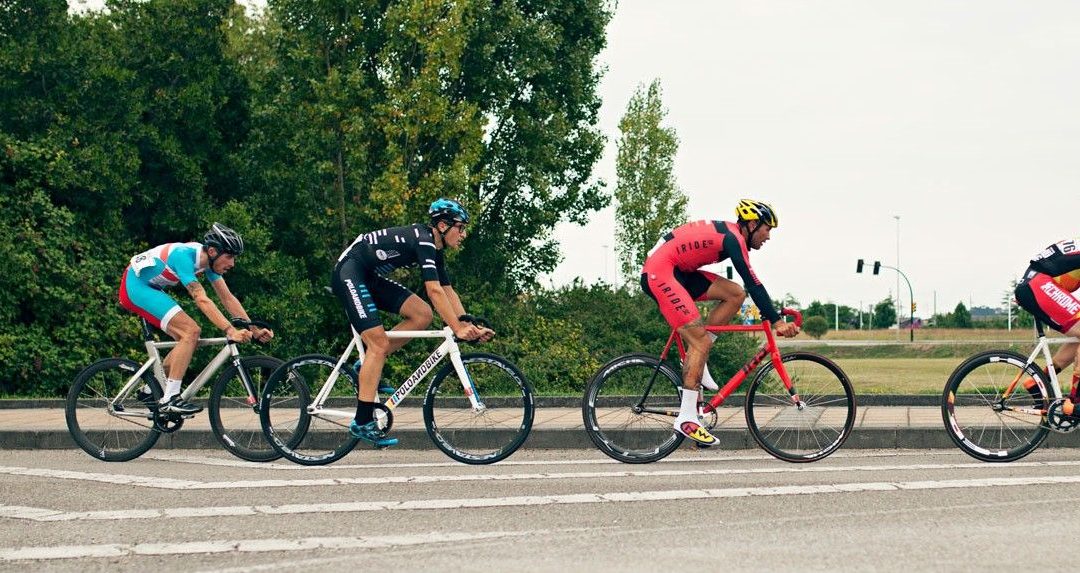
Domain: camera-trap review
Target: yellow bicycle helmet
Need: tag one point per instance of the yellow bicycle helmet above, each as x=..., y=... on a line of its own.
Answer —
x=751, y=210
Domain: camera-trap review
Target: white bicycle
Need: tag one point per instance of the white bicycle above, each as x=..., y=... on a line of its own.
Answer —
x=113, y=414
x=478, y=408
x=991, y=416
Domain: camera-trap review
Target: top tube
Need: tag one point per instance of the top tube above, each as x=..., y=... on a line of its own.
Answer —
x=755, y=327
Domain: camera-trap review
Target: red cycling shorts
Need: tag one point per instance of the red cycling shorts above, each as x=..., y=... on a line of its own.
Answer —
x=675, y=291
x=1048, y=302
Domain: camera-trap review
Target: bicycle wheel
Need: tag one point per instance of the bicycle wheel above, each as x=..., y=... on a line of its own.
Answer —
x=494, y=431
x=982, y=424
x=306, y=433
x=112, y=433
x=814, y=428
x=629, y=408
x=234, y=416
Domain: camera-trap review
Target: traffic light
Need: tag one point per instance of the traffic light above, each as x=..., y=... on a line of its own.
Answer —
x=877, y=267
x=912, y=307
x=858, y=267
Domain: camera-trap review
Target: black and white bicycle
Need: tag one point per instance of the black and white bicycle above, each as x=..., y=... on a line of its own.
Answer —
x=478, y=408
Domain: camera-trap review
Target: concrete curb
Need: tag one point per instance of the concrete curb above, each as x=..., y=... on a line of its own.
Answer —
x=540, y=439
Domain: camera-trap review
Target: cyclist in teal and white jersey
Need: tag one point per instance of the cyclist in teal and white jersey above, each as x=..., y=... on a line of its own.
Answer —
x=164, y=266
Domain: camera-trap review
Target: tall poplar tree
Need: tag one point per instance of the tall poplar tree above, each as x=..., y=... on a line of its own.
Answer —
x=648, y=200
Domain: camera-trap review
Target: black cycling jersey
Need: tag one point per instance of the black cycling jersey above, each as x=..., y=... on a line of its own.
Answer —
x=1060, y=258
x=398, y=247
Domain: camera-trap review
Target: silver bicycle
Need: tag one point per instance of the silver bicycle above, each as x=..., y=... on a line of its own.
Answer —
x=478, y=408
x=112, y=408
x=998, y=406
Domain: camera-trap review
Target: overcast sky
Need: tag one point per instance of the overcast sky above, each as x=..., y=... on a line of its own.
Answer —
x=961, y=117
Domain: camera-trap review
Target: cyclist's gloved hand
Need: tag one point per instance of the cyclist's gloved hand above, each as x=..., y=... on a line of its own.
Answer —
x=482, y=324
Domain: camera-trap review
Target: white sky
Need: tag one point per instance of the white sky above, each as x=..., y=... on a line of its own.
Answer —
x=961, y=117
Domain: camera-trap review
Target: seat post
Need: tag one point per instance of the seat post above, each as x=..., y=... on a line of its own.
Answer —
x=147, y=333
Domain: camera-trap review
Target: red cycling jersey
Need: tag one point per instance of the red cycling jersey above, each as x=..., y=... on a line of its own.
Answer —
x=671, y=276
x=1047, y=287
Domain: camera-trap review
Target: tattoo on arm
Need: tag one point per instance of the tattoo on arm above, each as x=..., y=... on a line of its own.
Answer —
x=196, y=290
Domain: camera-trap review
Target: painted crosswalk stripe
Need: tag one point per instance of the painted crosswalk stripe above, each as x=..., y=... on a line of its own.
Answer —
x=46, y=515
x=191, y=485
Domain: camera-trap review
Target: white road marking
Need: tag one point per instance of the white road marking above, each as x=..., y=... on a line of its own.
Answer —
x=190, y=485
x=47, y=515
x=248, y=545
x=699, y=457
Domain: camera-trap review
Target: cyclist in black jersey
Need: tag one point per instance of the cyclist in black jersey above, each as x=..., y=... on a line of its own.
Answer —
x=360, y=284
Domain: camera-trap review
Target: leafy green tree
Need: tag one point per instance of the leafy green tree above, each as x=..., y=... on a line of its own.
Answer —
x=816, y=326
x=961, y=318
x=884, y=313
x=648, y=201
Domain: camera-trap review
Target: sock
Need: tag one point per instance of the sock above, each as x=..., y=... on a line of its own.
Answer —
x=688, y=409
x=172, y=388
x=365, y=412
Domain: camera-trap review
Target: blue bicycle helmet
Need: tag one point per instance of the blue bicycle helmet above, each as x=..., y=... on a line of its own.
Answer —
x=447, y=210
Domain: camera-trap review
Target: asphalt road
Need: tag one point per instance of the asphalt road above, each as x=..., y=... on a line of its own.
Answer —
x=541, y=510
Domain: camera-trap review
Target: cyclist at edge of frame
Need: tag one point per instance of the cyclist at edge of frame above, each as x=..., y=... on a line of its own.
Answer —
x=672, y=277
x=360, y=284
x=142, y=292
x=1046, y=291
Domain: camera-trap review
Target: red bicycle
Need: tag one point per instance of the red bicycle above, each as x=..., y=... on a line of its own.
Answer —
x=799, y=406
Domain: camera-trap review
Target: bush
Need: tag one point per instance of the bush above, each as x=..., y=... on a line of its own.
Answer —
x=816, y=326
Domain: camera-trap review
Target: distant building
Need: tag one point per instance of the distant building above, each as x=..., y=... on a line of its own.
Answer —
x=985, y=313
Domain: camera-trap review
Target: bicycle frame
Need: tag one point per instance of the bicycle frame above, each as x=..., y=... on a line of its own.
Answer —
x=1041, y=347
x=153, y=348
x=449, y=347
x=769, y=349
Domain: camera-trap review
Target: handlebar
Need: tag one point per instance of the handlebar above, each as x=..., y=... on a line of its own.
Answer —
x=793, y=313
x=238, y=322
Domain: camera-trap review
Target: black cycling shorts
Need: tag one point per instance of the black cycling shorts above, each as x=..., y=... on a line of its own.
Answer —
x=363, y=292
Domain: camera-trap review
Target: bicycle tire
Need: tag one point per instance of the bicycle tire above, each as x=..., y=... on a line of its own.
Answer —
x=818, y=426
x=95, y=428
x=970, y=407
x=492, y=433
x=300, y=437
x=614, y=420
x=239, y=430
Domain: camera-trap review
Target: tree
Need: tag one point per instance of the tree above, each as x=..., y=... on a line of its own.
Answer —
x=816, y=326
x=884, y=313
x=960, y=316
x=1020, y=317
x=648, y=201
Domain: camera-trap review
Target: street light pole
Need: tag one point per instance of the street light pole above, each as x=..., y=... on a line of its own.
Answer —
x=911, y=294
x=897, y=217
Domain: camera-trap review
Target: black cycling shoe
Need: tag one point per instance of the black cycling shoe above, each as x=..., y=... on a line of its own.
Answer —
x=144, y=396
x=177, y=405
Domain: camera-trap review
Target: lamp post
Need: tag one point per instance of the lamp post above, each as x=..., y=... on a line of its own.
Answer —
x=877, y=268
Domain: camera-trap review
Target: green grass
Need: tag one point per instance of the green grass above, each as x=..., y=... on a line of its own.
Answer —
x=898, y=375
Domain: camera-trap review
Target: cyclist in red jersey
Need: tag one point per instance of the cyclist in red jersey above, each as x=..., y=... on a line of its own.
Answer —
x=671, y=276
x=1046, y=291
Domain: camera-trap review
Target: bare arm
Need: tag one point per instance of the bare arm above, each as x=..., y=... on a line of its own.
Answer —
x=207, y=306
x=455, y=301
x=441, y=300
x=233, y=306
x=228, y=300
